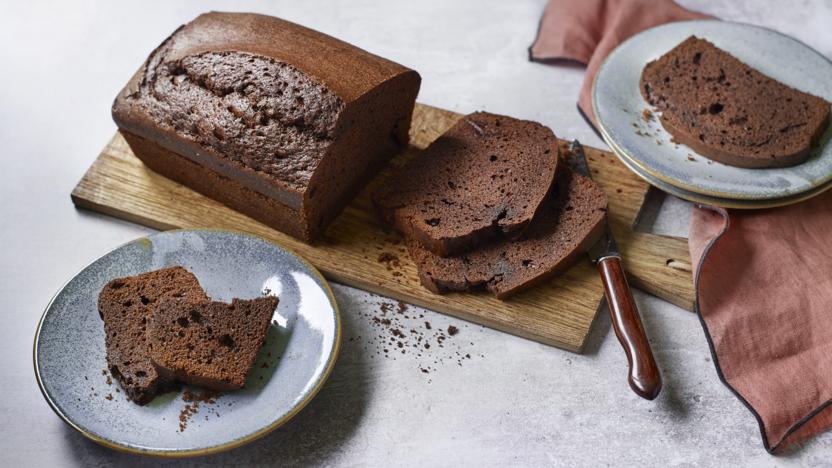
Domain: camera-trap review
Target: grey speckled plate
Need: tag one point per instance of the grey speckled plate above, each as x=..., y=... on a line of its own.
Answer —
x=715, y=201
x=618, y=105
x=300, y=350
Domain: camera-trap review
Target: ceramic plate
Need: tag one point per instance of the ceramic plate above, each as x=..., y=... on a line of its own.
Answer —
x=299, y=353
x=715, y=201
x=618, y=105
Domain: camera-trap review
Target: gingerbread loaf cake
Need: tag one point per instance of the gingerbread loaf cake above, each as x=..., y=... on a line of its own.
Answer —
x=210, y=344
x=277, y=121
x=729, y=112
x=126, y=306
x=570, y=221
x=486, y=177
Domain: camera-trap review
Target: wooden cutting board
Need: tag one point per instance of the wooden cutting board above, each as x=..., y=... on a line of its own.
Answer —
x=359, y=251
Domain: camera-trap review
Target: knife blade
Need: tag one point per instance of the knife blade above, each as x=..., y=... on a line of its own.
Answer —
x=644, y=376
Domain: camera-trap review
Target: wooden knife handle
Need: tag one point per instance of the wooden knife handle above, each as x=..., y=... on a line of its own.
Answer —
x=644, y=377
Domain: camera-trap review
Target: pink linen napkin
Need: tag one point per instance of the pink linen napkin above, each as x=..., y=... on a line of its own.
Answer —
x=763, y=278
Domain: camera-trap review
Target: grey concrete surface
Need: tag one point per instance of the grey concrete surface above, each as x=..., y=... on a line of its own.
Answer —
x=512, y=403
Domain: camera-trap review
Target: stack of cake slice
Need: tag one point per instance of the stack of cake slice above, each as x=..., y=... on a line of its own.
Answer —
x=490, y=205
x=161, y=329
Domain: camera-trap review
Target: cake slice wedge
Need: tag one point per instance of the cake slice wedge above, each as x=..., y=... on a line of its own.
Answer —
x=570, y=221
x=486, y=177
x=125, y=305
x=729, y=112
x=210, y=344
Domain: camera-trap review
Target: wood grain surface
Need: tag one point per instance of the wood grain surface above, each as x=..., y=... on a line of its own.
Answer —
x=358, y=250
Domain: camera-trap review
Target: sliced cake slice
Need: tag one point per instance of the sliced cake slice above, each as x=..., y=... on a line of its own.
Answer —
x=571, y=220
x=210, y=344
x=729, y=112
x=484, y=178
x=125, y=305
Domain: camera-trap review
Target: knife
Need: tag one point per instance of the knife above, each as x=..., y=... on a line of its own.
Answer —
x=644, y=377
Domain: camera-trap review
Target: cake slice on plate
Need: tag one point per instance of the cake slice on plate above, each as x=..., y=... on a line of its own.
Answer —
x=126, y=305
x=729, y=112
x=210, y=344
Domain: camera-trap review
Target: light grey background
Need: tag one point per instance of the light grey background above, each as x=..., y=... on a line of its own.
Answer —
x=514, y=402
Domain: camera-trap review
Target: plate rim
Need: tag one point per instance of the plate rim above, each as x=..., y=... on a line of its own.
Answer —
x=602, y=129
x=174, y=453
x=740, y=204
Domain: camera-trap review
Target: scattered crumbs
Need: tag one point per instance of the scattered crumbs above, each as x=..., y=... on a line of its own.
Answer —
x=267, y=292
x=659, y=142
x=647, y=115
x=109, y=397
x=400, y=332
x=86, y=378
x=691, y=158
x=193, y=401
x=640, y=133
x=389, y=260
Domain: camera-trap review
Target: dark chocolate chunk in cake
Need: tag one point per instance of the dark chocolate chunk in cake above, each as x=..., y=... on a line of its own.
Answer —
x=730, y=112
x=484, y=178
x=571, y=220
x=210, y=344
x=125, y=305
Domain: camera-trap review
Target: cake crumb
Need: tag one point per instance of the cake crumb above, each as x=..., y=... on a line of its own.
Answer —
x=192, y=404
x=389, y=260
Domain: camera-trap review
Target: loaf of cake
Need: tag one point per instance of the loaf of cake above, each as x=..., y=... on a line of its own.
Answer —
x=570, y=221
x=729, y=112
x=277, y=121
x=126, y=306
x=210, y=344
x=485, y=178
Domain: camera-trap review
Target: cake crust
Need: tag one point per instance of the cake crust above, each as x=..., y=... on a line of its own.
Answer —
x=287, y=112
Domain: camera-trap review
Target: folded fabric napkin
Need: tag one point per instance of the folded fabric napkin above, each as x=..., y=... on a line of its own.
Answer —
x=763, y=278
